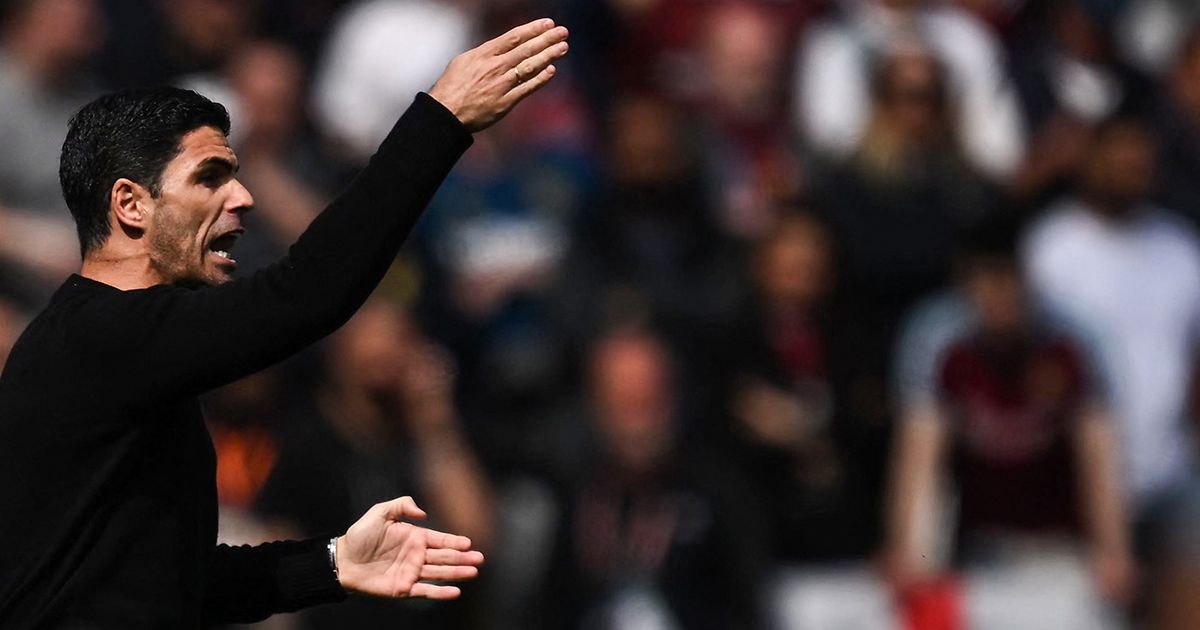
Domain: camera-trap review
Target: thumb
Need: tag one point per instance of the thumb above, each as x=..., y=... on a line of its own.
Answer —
x=398, y=509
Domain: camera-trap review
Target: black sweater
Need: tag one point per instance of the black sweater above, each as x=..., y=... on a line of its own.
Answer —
x=108, y=507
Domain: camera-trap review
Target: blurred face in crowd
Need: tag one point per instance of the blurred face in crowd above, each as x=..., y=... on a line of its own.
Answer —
x=793, y=263
x=911, y=95
x=646, y=146
x=209, y=29
x=632, y=393
x=1118, y=172
x=742, y=51
x=995, y=288
x=1078, y=33
x=196, y=219
x=55, y=37
x=269, y=80
x=248, y=402
x=1186, y=77
x=368, y=351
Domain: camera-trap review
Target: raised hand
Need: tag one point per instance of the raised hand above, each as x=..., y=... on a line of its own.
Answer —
x=382, y=555
x=483, y=84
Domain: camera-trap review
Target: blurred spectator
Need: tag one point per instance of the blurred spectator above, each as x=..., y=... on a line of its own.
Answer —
x=175, y=38
x=44, y=78
x=383, y=425
x=749, y=155
x=833, y=81
x=651, y=231
x=1152, y=33
x=283, y=161
x=492, y=248
x=895, y=209
x=244, y=419
x=806, y=462
x=646, y=542
x=1177, y=122
x=1131, y=272
x=648, y=245
x=301, y=23
x=1070, y=77
x=656, y=46
x=1008, y=398
x=379, y=54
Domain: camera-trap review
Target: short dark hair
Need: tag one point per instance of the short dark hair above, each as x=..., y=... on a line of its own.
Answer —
x=131, y=134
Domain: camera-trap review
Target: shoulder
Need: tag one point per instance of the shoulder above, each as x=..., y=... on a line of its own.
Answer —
x=1167, y=228
x=1064, y=215
x=927, y=338
x=1065, y=227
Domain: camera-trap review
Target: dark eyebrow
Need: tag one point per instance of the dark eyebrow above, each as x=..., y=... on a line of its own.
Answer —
x=219, y=162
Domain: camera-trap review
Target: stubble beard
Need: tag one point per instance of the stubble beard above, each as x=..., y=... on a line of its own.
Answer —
x=168, y=258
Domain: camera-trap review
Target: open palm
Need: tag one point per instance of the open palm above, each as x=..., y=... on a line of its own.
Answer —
x=385, y=556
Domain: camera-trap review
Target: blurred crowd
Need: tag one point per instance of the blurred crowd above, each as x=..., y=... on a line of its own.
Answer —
x=779, y=314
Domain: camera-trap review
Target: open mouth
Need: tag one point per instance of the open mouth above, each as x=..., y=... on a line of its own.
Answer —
x=222, y=246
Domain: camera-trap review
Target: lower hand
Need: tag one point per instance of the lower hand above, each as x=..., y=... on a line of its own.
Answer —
x=385, y=556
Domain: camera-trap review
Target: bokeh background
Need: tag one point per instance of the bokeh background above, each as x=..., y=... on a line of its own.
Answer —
x=828, y=314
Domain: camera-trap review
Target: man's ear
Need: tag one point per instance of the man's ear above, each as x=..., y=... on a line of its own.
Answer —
x=131, y=205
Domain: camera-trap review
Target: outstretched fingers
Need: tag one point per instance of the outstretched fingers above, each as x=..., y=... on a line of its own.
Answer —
x=441, y=540
x=522, y=90
x=452, y=557
x=531, y=67
x=535, y=46
x=435, y=591
x=517, y=36
x=448, y=573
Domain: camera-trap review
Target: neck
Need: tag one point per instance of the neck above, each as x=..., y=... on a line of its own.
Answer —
x=1110, y=207
x=126, y=272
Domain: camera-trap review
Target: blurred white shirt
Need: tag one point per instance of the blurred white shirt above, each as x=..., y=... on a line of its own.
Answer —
x=1136, y=284
x=379, y=55
x=833, y=80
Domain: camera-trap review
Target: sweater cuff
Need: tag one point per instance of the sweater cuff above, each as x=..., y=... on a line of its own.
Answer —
x=446, y=118
x=305, y=577
x=427, y=124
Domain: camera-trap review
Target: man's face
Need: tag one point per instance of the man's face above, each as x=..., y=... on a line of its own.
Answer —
x=996, y=289
x=1120, y=168
x=197, y=216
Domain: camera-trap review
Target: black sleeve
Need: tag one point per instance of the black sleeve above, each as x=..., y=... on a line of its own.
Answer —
x=186, y=341
x=246, y=584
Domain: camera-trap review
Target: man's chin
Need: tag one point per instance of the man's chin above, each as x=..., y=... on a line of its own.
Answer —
x=219, y=278
x=207, y=278
x=219, y=272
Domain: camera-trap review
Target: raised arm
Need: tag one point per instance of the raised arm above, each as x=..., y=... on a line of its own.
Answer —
x=190, y=340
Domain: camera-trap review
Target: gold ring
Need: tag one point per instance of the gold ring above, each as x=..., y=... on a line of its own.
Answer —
x=517, y=71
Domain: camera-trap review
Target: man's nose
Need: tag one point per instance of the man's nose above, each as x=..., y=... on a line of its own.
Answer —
x=241, y=200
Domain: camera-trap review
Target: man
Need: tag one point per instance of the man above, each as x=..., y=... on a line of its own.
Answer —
x=1129, y=270
x=1005, y=395
x=108, y=473
x=382, y=423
